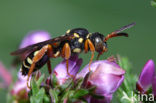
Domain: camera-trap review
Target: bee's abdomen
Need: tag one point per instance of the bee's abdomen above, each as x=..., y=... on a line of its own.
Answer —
x=29, y=60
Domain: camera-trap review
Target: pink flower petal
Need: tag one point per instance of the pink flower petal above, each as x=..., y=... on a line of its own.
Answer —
x=115, y=69
x=61, y=71
x=106, y=76
x=147, y=75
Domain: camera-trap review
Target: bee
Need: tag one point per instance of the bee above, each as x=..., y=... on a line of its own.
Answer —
x=73, y=42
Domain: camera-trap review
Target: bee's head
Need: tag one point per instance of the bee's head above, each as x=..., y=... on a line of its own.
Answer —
x=98, y=41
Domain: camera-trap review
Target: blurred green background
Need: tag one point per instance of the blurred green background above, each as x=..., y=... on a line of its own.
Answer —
x=18, y=17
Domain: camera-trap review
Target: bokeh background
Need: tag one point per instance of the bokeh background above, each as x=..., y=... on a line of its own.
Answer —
x=18, y=17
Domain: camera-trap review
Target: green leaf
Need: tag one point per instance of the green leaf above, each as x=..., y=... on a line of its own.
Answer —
x=68, y=84
x=79, y=83
x=153, y=3
x=53, y=95
x=66, y=95
x=124, y=63
x=92, y=89
x=37, y=94
x=80, y=93
x=38, y=97
x=71, y=93
x=40, y=80
x=54, y=80
x=46, y=99
x=34, y=86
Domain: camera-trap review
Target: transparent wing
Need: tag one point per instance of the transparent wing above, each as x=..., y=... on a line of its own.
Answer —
x=39, y=45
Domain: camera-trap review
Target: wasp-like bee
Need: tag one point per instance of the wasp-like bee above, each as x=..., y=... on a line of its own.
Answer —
x=73, y=42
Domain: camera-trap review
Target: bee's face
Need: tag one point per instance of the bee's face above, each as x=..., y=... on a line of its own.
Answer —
x=98, y=41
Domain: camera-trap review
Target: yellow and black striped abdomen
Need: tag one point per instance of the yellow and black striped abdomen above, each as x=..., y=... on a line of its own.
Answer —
x=29, y=60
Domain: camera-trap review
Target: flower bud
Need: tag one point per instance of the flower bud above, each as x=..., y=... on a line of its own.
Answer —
x=106, y=76
x=146, y=77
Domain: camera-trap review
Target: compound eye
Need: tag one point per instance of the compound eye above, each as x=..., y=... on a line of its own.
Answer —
x=98, y=40
x=98, y=44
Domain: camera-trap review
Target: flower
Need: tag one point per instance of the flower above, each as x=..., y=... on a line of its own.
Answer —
x=61, y=71
x=146, y=77
x=21, y=83
x=20, y=89
x=106, y=76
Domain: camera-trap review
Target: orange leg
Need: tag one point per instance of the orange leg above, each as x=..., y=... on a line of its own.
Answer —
x=68, y=68
x=92, y=49
x=49, y=67
x=36, y=58
x=66, y=53
x=50, y=54
x=86, y=46
x=91, y=59
x=29, y=73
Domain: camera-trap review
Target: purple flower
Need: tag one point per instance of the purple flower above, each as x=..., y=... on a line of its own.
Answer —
x=61, y=71
x=21, y=84
x=106, y=76
x=20, y=89
x=146, y=77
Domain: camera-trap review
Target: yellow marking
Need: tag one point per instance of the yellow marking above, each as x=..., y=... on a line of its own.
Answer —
x=77, y=50
x=36, y=52
x=29, y=60
x=88, y=35
x=80, y=40
x=76, y=35
x=57, y=53
x=68, y=31
x=25, y=65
